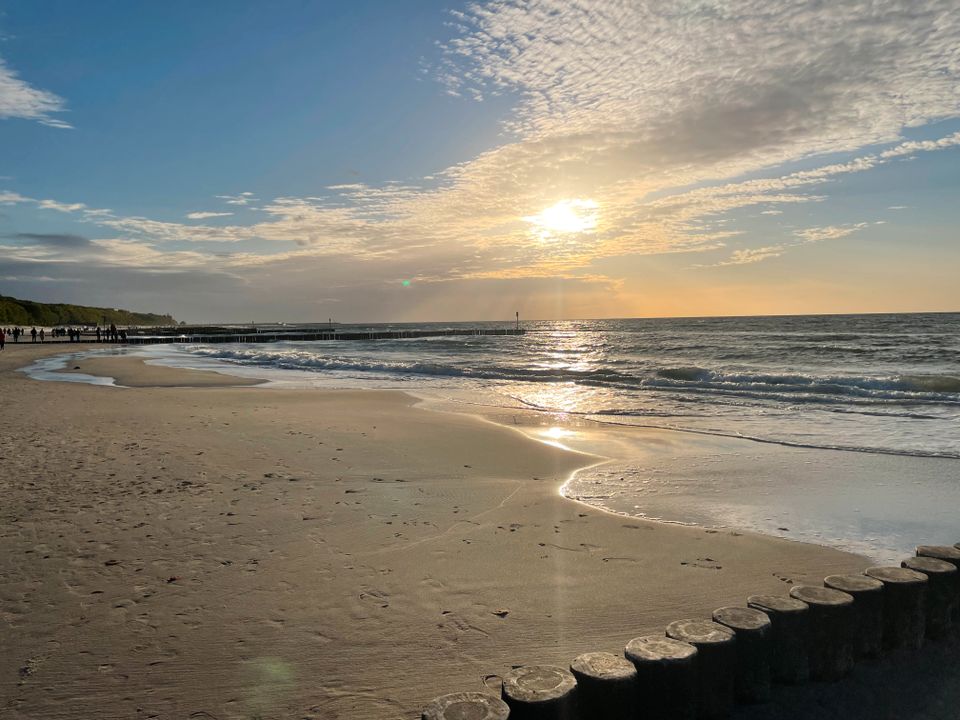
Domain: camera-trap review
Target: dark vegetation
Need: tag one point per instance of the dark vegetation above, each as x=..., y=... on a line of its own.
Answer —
x=27, y=312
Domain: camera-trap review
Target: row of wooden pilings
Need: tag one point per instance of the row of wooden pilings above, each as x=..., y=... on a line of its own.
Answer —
x=698, y=669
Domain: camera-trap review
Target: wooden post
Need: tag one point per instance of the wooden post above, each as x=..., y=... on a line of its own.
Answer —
x=715, y=664
x=941, y=592
x=904, y=599
x=464, y=705
x=789, y=634
x=665, y=677
x=754, y=651
x=606, y=686
x=867, y=595
x=950, y=555
x=831, y=652
x=941, y=552
x=540, y=692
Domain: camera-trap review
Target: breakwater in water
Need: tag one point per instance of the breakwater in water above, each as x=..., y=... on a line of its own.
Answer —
x=266, y=336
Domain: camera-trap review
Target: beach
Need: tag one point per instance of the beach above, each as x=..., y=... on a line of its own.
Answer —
x=242, y=552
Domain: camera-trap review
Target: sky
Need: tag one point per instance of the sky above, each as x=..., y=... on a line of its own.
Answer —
x=383, y=161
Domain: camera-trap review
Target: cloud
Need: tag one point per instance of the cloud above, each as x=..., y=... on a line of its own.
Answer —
x=64, y=240
x=747, y=256
x=653, y=113
x=19, y=99
x=12, y=198
x=244, y=198
x=205, y=215
x=59, y=206
x=830, y=232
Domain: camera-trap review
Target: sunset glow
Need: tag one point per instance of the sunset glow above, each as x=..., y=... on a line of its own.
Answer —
x=603, y=158
x=565, y=218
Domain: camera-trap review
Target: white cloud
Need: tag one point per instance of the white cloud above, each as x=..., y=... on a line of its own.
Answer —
x=205, y=215
x=244, y=198
x=19, y=99
x=59, y=206
x=12, y=198
x=748, y=256
x=829, y=232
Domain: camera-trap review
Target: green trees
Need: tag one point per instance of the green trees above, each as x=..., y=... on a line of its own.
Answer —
x=27, y=312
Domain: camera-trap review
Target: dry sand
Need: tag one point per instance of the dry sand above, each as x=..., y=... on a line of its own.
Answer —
x=233, y=552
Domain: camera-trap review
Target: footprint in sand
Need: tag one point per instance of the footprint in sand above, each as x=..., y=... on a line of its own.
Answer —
x=704, y=563
x=375, y=596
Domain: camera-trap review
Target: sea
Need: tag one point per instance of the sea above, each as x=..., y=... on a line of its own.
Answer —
x=882, y=385
x=871, y=383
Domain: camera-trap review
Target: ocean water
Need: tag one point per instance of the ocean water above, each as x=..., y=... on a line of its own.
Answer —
x=875, y=383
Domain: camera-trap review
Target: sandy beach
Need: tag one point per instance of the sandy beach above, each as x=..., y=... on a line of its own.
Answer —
x=185, y=547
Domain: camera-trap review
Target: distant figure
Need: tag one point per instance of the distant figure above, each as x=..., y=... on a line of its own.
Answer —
x=33, y=335
x=3, y=338
x=16, y=334
x=41, y=335
x=123, y=336
x=113, y=332
x=98, y=333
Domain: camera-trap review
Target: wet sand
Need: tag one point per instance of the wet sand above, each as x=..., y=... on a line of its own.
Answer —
x=237, y=552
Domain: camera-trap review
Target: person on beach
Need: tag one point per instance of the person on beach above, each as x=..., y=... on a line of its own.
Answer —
x=41, y=335
x=33, y=335
x=3, y=338
x=98, y=333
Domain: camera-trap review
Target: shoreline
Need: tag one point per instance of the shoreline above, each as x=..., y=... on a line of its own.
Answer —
x=866, y=513
x=236, y=552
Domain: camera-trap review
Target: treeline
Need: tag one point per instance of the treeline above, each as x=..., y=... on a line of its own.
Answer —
x=27, y=312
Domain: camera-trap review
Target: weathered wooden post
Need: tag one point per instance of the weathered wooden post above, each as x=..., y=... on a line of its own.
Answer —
x=867, y=595
x=941, y=592
x=904, y=598
x=666, y=677
x=606, y=686
x=950, y=554
x=752, y=629
x=714, y=663
x=466, y=706
x=789, y=633
x=831, y=651
x=540, y=692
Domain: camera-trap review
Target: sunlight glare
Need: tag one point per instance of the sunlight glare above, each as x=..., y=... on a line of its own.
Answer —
x=564, y=218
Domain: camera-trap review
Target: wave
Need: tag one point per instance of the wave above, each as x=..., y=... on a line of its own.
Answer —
x=907, y=388
x=688, y=380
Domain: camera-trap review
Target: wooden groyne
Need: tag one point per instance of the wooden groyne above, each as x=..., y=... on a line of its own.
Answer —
x=269, y=336
x=698, y=669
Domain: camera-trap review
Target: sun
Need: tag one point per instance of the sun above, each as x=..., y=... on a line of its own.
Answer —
x=565, y=218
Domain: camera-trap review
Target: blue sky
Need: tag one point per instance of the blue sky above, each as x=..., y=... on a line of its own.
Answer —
x=298, y=160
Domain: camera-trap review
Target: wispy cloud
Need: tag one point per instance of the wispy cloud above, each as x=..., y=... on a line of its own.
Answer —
x=747, y=256
x=19, y=99
x=652, y=112
x=244, y=198
x=205, y=215
x=829, y=232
